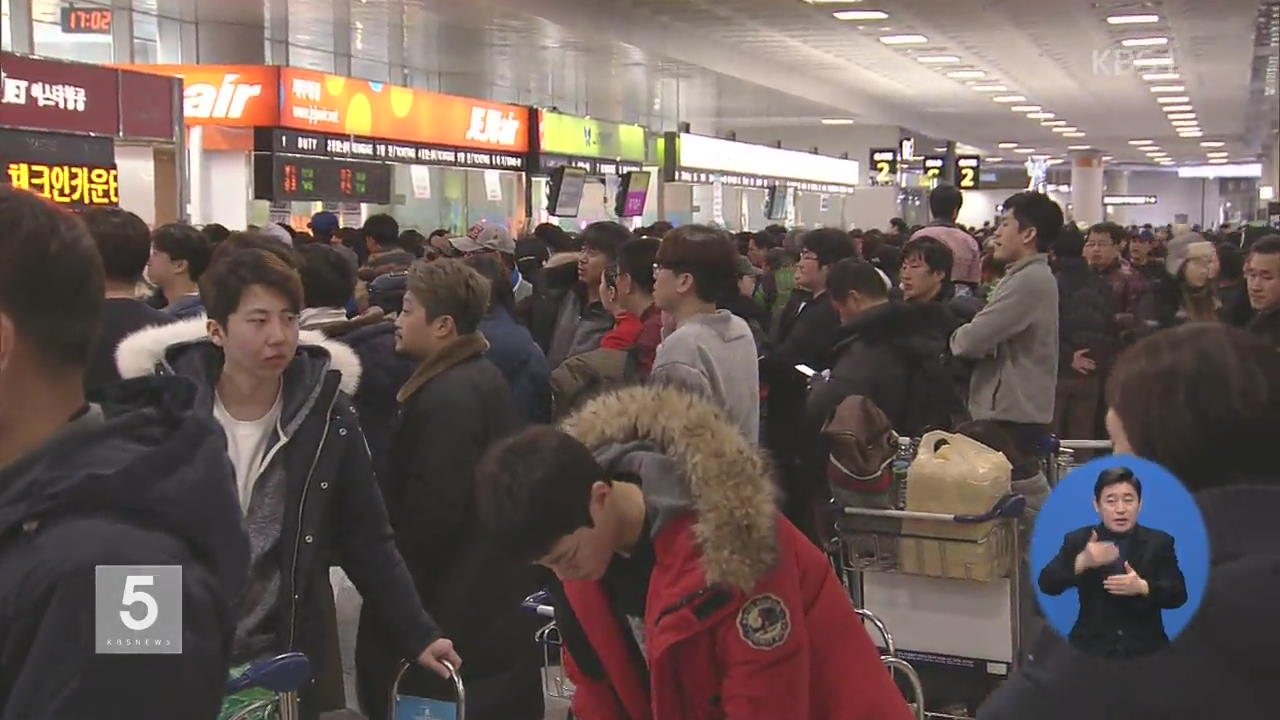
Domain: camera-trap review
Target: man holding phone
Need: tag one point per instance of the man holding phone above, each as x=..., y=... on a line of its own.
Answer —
x=1126, y=574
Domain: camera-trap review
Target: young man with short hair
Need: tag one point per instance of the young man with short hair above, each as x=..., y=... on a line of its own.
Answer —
x=302, y=469
x=138, y=479
x=925, y=277
x=565, y=314
x=1014, y=339
x=684, y=593
x=1142, y=259
x=803, y=335
x=944, y=205
x=1262, y=277
x=124, y=244
x=711, y=351
x=386, y=253
x=454, y=405
x=179, y=256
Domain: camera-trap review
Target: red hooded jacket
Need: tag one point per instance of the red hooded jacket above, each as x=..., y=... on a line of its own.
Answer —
x=744, y=618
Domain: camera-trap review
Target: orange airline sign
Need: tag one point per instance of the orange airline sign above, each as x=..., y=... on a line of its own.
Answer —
x=328, y=103
x=236, y=95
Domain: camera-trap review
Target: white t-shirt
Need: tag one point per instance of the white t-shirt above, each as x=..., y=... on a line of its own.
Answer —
x=246, y=444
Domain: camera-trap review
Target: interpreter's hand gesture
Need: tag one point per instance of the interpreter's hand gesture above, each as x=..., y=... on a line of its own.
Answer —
x=1127, y=585
x=1096, y=554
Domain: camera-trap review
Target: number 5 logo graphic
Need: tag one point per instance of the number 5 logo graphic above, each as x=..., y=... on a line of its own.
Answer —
x=133, y=596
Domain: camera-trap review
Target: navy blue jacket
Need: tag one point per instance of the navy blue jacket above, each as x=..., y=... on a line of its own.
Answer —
x=514, y=352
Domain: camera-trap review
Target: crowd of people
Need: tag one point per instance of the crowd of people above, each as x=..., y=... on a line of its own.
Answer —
x=639, y=412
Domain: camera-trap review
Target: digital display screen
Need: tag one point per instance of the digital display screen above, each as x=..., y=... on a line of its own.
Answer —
x=295, y=177
x=968, y=172
x=77, y=185
x=565, y=191
x=86, y=21
x=884, y=166
x=634, y=191
x=776, y=206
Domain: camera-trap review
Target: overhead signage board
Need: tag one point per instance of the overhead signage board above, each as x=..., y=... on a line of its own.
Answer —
x=598, y=167
x=71, y=170
x=232, y=95
x=298, y=177
x=58, y=96
x=560, y=134
x=317, y=102
x=699, y=159
x=361, y=148
x=931, y=165
x=968, y=172
x=884, y=166
x=907, y=149
x=1129, y=200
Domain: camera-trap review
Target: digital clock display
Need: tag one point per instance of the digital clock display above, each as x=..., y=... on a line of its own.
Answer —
x=86, y=21
x=297, y=177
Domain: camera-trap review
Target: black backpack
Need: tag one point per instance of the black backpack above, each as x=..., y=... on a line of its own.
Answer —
x=934, y=399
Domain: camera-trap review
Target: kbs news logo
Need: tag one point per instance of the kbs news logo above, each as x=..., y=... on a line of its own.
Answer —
x=1119, y=61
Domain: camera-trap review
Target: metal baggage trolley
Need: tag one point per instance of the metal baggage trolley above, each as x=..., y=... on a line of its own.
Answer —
x=1065, y=456
x=555, y=683
x=409, y=707
x=872, y=545
x=272, y=687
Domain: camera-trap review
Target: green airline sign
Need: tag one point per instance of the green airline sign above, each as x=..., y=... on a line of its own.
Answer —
x=590, y=138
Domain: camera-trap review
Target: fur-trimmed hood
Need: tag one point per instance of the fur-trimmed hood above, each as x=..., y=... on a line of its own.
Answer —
x=145, y=352
x=729, y=481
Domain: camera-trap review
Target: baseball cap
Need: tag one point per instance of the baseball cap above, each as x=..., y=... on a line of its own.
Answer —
x=324, y=222
x=481, y=237
x=745, y=267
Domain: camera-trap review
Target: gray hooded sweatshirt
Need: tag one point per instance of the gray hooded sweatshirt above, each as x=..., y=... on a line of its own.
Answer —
x=715, y=355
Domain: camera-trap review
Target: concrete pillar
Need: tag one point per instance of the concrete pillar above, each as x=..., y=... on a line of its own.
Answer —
x=949, y=166
x=230, y=33
x=122, y=32
x=1117, y=183
x=22, y=32
x=1086, y=186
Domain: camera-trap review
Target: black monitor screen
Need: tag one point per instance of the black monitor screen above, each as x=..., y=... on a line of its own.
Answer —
x=633, y=191
x=564, y=194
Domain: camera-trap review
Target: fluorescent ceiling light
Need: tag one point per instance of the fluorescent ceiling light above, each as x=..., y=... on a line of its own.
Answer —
x=1253, y=170
x=1064, y=129
x=990, y=88
x=1217, y=154
x=1184, y=123
x=1073, y=134
x=1009, y=98
x=1057, y=124
x=1024, y=151
x=1007, y=145
x=1142, y=142
x=1168, y=88
x=1219, y=161
x=994, y=159
x=1079, y=147
x=1145, y=42
x=1190, y=133
x=904, y=39
x=937, y=59
x=1177, y=108
x=1026, y=108
x=1161, y=76
x=837, y=121
x=1132, y=19
x=966, y=74
x=1153, y=62
x=1158, y=153
x=1181, y=116
x=1173, y=99
x=1040, y=116
x=860, y=15
x=1212, y=143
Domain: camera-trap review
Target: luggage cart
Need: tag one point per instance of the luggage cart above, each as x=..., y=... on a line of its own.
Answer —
x=277, y=681
x=555, y=684
x=1064, y=459
x=895, y=664
x=867, y=542
x=409, y=707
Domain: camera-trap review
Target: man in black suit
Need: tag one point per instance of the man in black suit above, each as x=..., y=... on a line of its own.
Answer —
x=1126, y=574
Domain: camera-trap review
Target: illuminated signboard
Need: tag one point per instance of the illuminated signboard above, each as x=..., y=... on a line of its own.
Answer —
x=298, y=177
x=599, y=147
x=1128, y=199
x=704, y=159
x=884, y=166
x=932, y=165
x=86, y=21
x=70, y=170
x=968, y=172
x=359, y=148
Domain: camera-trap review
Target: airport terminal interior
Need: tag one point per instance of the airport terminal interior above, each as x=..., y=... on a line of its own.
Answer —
x=639, y=359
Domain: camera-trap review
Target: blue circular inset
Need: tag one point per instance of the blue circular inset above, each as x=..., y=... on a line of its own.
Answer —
x=1166, y=506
